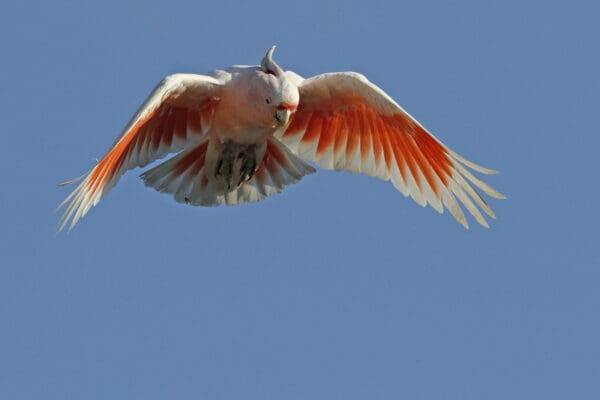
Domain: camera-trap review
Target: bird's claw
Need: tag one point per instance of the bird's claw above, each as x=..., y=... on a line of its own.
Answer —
x=248, y=157
x=227, y=159
x=225, y=162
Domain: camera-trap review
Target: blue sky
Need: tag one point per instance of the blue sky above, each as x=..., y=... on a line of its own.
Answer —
x=339, y=288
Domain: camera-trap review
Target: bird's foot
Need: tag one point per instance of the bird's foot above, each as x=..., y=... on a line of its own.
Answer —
x=225, y=161
x=248, y=157
x=232, y=157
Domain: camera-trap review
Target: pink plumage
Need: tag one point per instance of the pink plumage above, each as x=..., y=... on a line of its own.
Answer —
x=247, y=132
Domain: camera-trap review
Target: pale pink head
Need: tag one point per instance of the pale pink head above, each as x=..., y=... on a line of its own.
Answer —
x=280, y=95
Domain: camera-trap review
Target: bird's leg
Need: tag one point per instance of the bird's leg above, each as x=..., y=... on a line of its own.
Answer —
x=225, y=162
x=248, y=166
x=235, y=156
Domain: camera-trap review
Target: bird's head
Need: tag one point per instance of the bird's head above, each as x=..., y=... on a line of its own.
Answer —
x=280, y=95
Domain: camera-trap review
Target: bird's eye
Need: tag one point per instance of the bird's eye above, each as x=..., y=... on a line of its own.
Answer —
x=268, y=100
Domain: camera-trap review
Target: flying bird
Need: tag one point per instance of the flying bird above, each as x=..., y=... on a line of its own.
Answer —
x=245, y=133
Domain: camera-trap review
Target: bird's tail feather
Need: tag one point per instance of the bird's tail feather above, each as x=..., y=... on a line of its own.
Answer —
x=188, y=178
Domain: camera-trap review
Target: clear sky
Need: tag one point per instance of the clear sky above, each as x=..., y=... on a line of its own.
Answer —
x=339, y=288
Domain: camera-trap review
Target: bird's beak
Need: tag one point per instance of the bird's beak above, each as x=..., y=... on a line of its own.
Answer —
x=283, y=116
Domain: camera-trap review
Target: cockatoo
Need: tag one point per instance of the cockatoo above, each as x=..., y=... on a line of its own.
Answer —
x=245, y=133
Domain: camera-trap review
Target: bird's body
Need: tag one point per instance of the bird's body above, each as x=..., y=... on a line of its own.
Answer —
x=244, y=133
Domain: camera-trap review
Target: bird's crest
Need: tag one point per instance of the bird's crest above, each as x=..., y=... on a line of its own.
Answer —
x=269, y=66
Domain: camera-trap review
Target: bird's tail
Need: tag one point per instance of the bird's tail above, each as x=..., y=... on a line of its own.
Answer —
x=191, y=179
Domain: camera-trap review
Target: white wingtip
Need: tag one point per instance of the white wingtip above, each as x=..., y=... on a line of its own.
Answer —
x=471, y=164
x=72, y=181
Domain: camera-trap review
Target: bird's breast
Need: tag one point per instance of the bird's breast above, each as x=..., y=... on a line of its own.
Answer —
x=236, y=123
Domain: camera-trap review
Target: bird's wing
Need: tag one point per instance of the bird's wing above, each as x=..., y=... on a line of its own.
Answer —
x=175, y=115
x=345, y=122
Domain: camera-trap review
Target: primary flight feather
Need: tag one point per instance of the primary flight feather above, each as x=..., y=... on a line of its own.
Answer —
x=244, y=134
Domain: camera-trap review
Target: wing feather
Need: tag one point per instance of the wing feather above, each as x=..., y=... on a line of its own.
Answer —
x=343, y=121
x=175, y=115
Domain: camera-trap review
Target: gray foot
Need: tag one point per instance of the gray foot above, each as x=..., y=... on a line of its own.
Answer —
x=224, y=166
x=248, y=157
x=232, y=156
